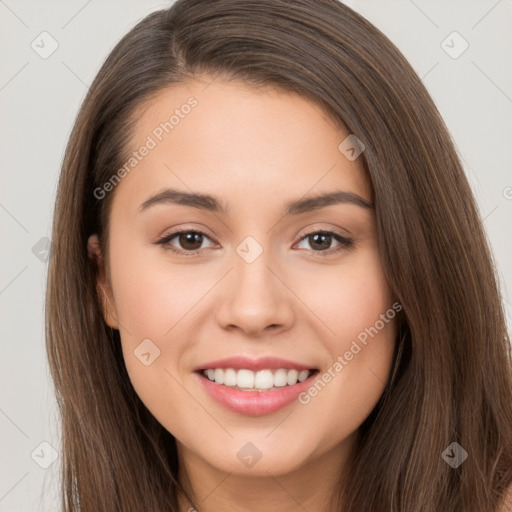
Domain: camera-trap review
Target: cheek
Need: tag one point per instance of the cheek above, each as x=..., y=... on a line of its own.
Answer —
x=356, y=307
x=156, y=301
x=152, y=295
x=146, y=309
x=351, y=386
x=151, y=346
x=350, y=299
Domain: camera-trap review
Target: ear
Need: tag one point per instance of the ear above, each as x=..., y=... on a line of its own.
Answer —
x=103, y=287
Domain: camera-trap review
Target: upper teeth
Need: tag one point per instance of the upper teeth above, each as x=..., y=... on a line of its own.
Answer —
x=262, y=379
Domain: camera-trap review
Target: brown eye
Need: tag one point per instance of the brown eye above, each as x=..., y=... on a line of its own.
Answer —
x=321, y=242
x=188, y=242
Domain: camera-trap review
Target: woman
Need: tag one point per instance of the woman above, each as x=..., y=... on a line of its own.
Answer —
x=333, y=337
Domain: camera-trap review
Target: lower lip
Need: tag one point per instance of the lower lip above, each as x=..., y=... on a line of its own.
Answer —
x=255, y=403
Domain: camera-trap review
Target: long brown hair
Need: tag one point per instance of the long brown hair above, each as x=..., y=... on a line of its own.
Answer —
x=452, y=380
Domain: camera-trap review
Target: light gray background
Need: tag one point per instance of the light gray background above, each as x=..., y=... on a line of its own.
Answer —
x=39, y=99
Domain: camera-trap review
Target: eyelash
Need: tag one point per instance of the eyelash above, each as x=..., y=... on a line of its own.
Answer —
x=345, y=243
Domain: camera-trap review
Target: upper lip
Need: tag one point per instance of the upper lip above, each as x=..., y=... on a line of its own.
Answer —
x=262, y=363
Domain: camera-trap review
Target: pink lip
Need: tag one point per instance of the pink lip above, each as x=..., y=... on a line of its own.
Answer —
x=262, y=363
x=254, y=403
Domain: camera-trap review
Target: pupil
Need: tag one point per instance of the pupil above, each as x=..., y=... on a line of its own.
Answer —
x=188, y=238
x=325, y=246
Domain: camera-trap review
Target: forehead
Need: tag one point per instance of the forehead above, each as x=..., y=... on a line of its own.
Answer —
x=229, y=138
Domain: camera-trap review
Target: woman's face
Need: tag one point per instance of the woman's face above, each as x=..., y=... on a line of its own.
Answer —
x=263, y=275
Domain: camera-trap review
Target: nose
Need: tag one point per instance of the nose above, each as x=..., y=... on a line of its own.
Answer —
x=255, y=299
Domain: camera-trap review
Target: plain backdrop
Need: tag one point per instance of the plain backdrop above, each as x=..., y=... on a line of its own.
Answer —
x=40, y=94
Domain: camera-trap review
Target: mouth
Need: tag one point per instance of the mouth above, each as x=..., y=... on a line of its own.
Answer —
x=255, y=392
x=256, y=381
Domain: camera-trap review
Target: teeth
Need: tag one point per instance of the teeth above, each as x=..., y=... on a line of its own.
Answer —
x=229, y=377
x=263, y=379
x=219, y=376
x=245, y=379
x=280, y=378
x=303, y=375
x=260, y=380
x=292, y=377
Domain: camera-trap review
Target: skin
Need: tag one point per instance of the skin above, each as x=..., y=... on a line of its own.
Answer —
x=255, y=149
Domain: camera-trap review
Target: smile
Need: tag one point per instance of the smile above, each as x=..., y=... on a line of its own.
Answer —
x=262, y=380
x=254, y=387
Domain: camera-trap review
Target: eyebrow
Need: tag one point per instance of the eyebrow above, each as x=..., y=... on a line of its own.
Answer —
x=213, y=204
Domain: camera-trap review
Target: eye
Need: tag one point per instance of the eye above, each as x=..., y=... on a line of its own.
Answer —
x=191, y=241
x=321, y=241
